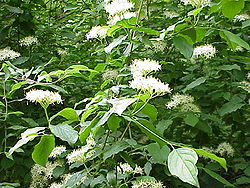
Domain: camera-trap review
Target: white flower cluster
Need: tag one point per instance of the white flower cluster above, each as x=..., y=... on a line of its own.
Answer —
x=206, y=51
x=97, y=32
x=148, y=184
x=57, y=151
x=27, y=41
x=196, y=3
x=241, y=17
x=125, y=168
x=45, y=98
x=140, y=69
x=171, y=14
x=110, y=75
x=159, y=45
x=40, y=175
x=225, y=149
x=179, y=99
x=83, y=153
x=6, y=53
x=183, y=102
x=118, y=10
x=245, y=85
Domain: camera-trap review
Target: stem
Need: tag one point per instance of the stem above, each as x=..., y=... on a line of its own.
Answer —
x=6, y=115
x=46, y=114
x=133, y=113
x=105, y=142
x=124, y=132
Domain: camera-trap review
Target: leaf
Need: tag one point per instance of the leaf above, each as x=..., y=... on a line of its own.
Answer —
x=195, y=83
x=26, y=136
x=43, y=149
x=181, y=163
x=115, y=148
x=183, y=46
x=68, y=113
x=115, y=43
x=147, y=168
x=16, y=10
x=246, y=24
x=149, y=129
x=114, y=123
x=229, y=108
x=163, y=125
x=148, y=110
x=65, y=132
x=212, y=156
x=235, y=39
x=120, y=105
x=20, y=60
x=229, y=67
x=231, y=7
x=82, y=67
x=16, y=87
x=159, y=155
x=191, y=120
x=218, y=177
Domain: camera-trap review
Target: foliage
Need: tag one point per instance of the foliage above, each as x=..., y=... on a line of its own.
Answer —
x=149, y=93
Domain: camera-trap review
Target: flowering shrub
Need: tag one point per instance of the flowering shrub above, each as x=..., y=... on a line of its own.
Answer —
x=124, y=93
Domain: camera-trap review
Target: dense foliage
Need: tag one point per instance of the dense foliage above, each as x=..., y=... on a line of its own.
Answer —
x=118, y=93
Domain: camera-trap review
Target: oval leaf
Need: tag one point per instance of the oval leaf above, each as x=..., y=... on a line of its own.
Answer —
x=43, y=149
x=181, y=163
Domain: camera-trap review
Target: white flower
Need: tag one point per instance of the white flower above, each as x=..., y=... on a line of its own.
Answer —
x=27, y=41
x=78, y=155
x=56, y=185
x=241, y=17
x=189, y=107
x=171, y=14
x=196, y=3
x=43, y=97
x=179, y=99
x=225, y=148
x=143, y=67
x=90, y=141
x=125, y=168
x=118, y=6
x=114, y=19
x=207, y=51
x=57, y=151
x=110, y=75
x=150, y=85
x=239, y=49
x=147, y=183
x=6, y=53
x=138, y=170
x=97, y=32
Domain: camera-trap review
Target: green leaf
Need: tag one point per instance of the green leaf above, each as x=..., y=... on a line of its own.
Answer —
x=26, y=136
x=147, y=168
x=68, y=113
x=195, y=83
x=149, y=129
x=183, y=46
x=65, y=132
x=159, y=155
x=230, y=37
x=218, y=177
x=212, y=156
x=20, y=60
x=16, y=10
x=82, y=68
x=246, y=24
x=114, y=122
x=16, y=87
x=163, y=125
x=43, y=149
x=191, y=120
x=115, y=148
x=229, y=67
x=181, y=163
x=115, y=43
x=229, y=108
x=148, y=110
x=232, y=7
